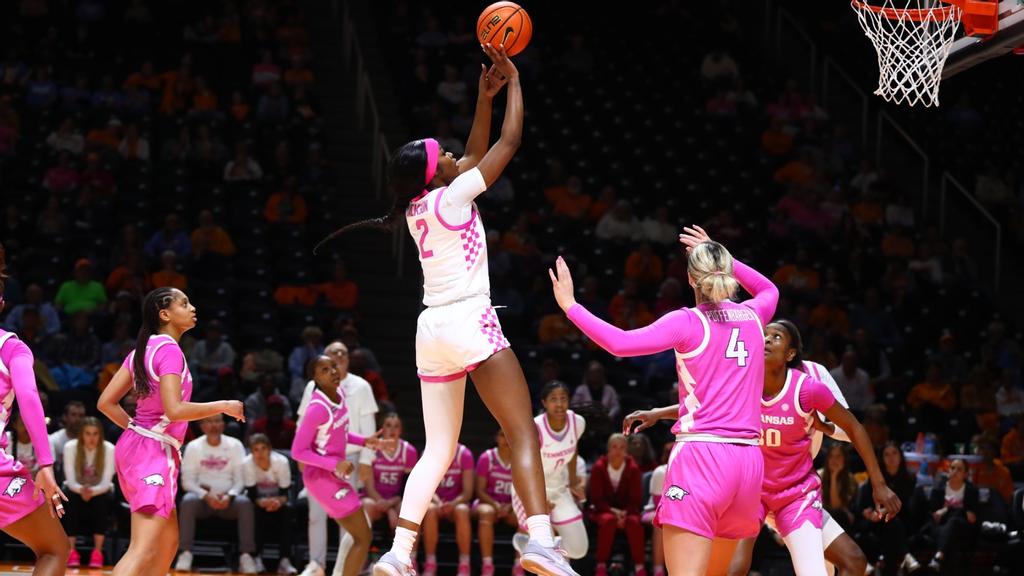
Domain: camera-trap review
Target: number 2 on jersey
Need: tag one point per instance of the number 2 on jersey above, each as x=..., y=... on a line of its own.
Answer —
x=736, y=348
x=422, y=224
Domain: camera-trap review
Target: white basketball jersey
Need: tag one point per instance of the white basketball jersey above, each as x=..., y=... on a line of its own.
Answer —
x=451, y=242
x=820, y=373
x=558, y=448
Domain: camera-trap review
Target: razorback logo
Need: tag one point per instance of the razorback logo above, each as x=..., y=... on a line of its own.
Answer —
x=341, y=493
x=14, y=488
x=154, y=480
x=675, y=493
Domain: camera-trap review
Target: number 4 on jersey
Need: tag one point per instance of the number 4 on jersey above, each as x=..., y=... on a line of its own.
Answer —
x=736, y=348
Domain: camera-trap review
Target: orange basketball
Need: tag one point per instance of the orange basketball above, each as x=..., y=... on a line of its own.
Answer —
x=505, y=23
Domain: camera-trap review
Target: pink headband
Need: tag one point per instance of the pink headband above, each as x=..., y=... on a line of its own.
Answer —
x=433, y=151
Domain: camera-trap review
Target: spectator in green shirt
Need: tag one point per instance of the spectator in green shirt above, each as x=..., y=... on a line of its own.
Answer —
x=83, y=294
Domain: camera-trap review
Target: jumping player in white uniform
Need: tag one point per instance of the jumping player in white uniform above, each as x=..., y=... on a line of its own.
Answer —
x=458, y=332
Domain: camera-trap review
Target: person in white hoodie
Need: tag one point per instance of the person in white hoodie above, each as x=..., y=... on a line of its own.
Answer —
x=213, y=479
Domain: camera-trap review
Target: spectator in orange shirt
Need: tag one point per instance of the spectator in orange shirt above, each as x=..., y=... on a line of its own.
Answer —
x=239, y=107
x=775, y=141
x=106, y=138
x=168, y=274
x=556, y=331
x=605, y=200
x=1013, y=450
x=204, y=101
x=829, y=316
x=801, y=171
x=991, y=473
x=298, y=74
x=644, y=266
x=515, y=238
x=868, y=211
x=210, y=237
x=340, y=292
x=627, y=310
x=574, y=203
x=933, y=400
x=897, y=244
x=358, y=364
x=145, y=78
x=798, y=276
x=130, y=276
x=286, y=206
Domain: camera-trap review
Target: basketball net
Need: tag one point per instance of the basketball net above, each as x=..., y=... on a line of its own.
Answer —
x=912, y=39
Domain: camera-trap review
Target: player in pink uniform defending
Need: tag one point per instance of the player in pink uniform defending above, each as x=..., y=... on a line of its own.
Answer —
x=710, y=499
x=459, y=332
x=493, y=498
x=384, y=479
x=320, y=444
x=148, y=454
x=29, y=511
x=451, y=502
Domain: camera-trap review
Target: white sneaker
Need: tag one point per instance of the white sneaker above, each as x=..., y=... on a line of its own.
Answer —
x=246, y=564
x=285, y=567
x=313, y=569
x=184, y=562
x=260, y=568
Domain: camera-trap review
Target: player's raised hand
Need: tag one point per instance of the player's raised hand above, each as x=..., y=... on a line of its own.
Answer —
x=644, y=419
x=499, y=57
x=692, y=236
x=491, y=80
x=561, y=285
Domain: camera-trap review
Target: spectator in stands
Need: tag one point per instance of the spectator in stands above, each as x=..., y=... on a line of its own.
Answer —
x=596, y=390
x=951, y=362
x=853, y=382
x=341, y=292
x=1005, y=351
x=211, y=354
x=875, y=425
x=838, y=486
x=82, y=294
x=452, y=90
x=892, y=534
x=1012, y=453
x=103, y=140
x=257, y=402
x=204, y=103
x=273, y=107
x=932, y=400
x=991, y=473
x=239, y=108
x=209, y=150
x=134, y=146
x=776, y=140
x=310, y=348
x=555, y=331
x=268, y=477
x=52, y=221
x=80, y=347
x=719, y=65
x=644, y=266
x=897, y=244
x=242, y=167
x=953, y=506
x=618, y=224
x=829, y=317
x=659, y=229
x=71, y=426
x=89, y=481
x=642, y=452
x=211, y=238
x=225, y=387
x=213, y=478
x=627, y=310
x=298, y=74
x=170, y=237
x=168, y=274
x=574, y=203
x=265, y=72
x=41, y=91
x=66, y=138
x=818, y=351
x=615, y=504
x=359, y=364
x=286, y=206
x=34, y=299
x=799, y=276
x=61, y=179
x=669, y=297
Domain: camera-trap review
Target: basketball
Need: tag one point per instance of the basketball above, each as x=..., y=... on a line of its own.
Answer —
x=505, y=23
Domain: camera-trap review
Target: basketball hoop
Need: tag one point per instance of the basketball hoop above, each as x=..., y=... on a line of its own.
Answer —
x=912, y=39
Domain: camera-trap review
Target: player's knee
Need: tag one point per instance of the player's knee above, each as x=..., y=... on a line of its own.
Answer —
x=853, y=561
x=485, y=512
x=462, y=510
x=576, y=545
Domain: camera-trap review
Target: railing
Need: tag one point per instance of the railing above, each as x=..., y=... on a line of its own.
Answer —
x=366, y=111
x=972, y=233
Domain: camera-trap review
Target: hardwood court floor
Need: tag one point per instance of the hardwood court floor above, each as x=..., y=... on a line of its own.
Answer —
x=20, y=569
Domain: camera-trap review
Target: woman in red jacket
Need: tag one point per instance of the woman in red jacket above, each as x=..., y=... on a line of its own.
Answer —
x=615, y=504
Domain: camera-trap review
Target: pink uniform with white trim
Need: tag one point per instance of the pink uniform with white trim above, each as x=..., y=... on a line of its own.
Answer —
x=459, y=328
x=715, y=471
x=320, y=443
x=148, y=454
x=450, y=487
x=791, y=487
x=390, y=470
x=498, y=475
x=18, y=381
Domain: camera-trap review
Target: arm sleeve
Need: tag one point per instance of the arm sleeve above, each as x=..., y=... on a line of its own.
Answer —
x=302, y=445
x=457, y=199
x=70, y=474
x=815, y=396
x=190, y=470
x=19, y=361
x=676, y=330
x=765, y=294
x=237, y=478
x=357, y=439
x=107, y=479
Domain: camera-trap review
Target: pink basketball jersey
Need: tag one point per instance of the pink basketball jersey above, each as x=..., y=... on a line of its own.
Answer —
x=453, y=254
x=786, y=422
x=721, y=379
x=498, y=474
x=163, y=356
x=331, y=438
x=389, y=470
x=451, y=484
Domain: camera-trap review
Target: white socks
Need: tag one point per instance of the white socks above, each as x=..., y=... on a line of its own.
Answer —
x=405, y=539
x=540, y=530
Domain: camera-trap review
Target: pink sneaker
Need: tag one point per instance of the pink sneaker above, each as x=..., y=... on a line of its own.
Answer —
x=74, y=560
x=517, y=569
x=463, y=570
x=96, y=558
x=430, y=568
x=487, y=569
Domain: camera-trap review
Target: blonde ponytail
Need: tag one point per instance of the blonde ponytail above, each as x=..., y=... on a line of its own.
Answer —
x=710, y=266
